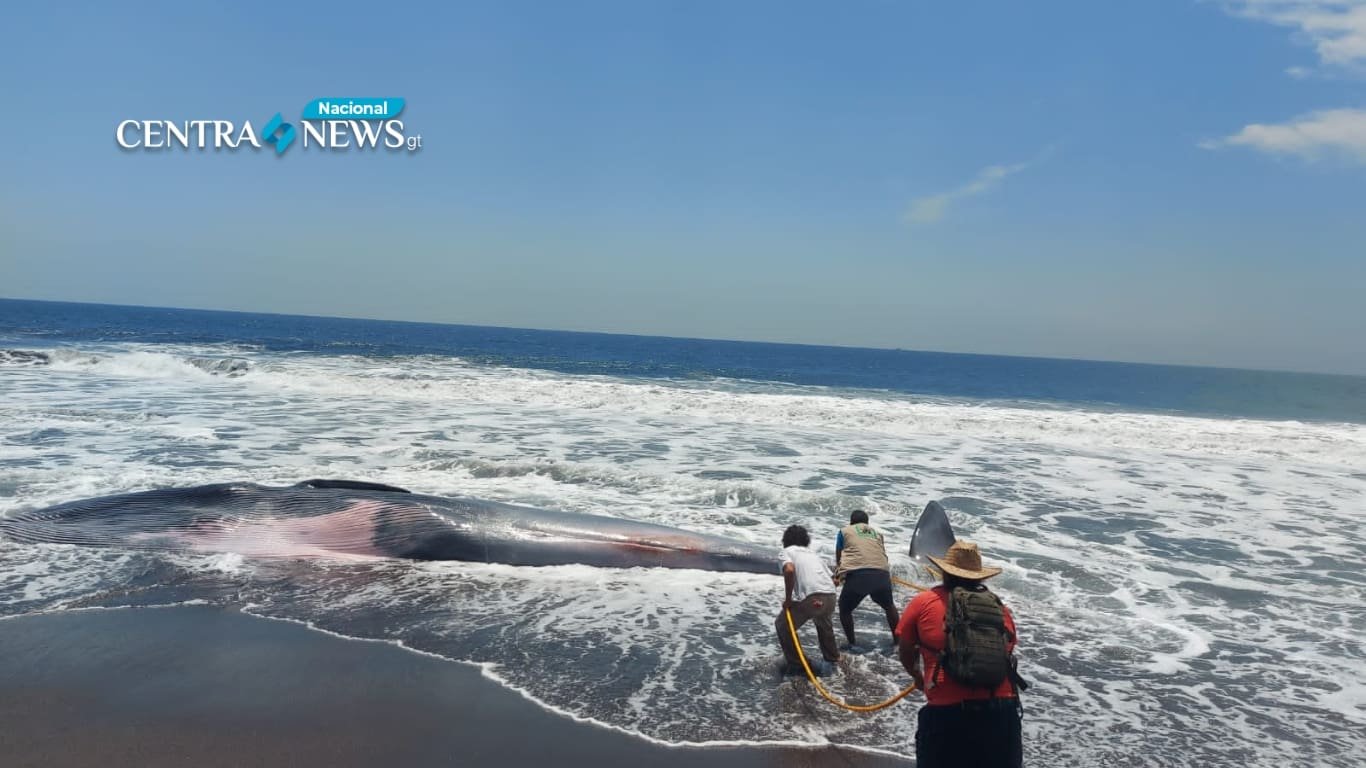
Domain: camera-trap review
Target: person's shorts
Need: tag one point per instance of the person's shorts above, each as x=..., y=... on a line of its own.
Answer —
x=866, y=582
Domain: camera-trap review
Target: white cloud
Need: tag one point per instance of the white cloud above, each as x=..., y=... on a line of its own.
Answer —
x=1335, y=28
x=1337, y=31
x=927, y=210
x=1339, y=133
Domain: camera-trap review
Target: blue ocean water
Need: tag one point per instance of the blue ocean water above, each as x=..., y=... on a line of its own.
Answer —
x=1220, y=392
x=1181, y=547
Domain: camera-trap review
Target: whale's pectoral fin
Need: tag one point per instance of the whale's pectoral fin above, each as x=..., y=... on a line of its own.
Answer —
x=351, y=485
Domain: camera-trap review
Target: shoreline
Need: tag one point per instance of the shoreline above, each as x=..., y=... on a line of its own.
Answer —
x=208, y=686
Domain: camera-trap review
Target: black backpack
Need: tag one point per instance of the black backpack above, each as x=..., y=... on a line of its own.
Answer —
x=975, y=640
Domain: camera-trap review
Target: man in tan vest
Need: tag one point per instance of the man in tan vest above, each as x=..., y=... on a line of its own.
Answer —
x=861, y=566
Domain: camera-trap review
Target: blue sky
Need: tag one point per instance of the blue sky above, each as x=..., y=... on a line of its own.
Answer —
x=1174, y=181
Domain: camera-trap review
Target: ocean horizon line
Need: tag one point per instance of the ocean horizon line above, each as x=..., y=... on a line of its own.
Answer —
x=706, y=339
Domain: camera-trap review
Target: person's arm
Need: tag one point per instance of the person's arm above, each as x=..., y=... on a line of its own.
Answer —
x=789, y=583
x=909, y=651
x=908, y=644
x=839, y=550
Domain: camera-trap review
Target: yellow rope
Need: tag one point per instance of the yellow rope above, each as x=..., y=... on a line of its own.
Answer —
x=910, y=585
x=812, y=677
x=797, y=643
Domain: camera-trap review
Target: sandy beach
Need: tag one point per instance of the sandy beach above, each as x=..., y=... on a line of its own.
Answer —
x=201, y=686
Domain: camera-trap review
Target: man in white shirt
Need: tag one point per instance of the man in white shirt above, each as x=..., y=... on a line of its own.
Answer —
x=808, y=593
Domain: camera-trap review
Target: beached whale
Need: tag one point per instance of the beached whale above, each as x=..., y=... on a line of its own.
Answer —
x=342, y=518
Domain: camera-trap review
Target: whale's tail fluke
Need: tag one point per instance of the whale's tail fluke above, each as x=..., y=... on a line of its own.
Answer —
x=933, y=534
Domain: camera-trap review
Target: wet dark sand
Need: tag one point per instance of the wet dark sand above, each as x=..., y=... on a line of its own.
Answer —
x=204, y=687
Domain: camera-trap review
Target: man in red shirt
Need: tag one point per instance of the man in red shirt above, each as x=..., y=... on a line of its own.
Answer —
x=960, y=725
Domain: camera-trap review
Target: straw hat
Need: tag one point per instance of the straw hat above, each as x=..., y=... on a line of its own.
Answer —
x=964, y=561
